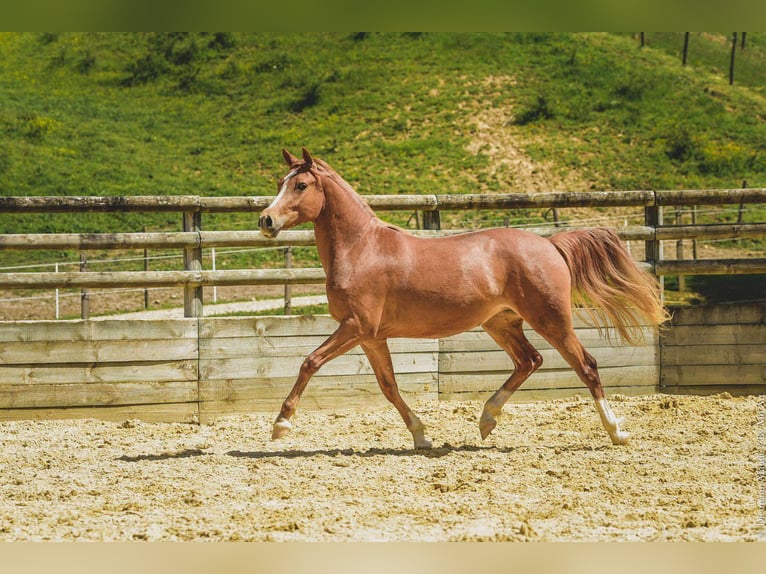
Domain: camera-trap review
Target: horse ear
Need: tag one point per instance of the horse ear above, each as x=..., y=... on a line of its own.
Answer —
x=290, y=159
x=307, y=159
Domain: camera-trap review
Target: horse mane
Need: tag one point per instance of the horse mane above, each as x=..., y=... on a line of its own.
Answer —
x=325, y=171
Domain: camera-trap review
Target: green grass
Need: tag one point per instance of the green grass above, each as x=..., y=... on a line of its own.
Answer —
x=207, y=114
x=711, y=52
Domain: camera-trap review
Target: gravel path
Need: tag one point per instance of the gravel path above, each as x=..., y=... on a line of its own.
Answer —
x=211, y=310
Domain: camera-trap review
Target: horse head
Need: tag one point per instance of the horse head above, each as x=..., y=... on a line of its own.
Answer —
x=300, y=198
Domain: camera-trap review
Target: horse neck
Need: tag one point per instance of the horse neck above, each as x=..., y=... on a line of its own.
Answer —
x=343, y=220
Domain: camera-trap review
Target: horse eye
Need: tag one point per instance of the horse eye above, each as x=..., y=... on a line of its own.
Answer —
x=301, y=186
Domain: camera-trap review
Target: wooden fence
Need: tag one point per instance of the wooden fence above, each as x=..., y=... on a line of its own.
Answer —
x=199, y=368
x=193, y=239
x=107, y=369
x=713, y=349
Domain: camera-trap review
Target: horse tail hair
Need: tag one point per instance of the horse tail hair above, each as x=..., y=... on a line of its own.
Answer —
x=608, y=285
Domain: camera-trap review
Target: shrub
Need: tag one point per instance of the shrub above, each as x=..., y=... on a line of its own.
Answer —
x=222, y=41
x=681, y=145
x=630, y=88
x=538, y=110
x=35, y=127
x=308, y=97
x=146, y=69
x=86, y=63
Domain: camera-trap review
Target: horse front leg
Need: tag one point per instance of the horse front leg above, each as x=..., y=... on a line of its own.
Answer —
x=345, y=338
x=380, y=359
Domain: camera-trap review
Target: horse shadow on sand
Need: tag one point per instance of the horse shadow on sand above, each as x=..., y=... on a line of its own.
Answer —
x=435, y=452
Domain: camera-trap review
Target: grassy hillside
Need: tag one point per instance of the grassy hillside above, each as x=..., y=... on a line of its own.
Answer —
x=207, y=114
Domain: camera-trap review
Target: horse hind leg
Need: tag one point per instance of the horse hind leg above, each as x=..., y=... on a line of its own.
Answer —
x=610, y=422
x=506, y=329
x=565, y=341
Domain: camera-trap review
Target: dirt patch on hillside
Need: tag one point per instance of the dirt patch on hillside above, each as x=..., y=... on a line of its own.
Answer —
x=514, y=170
x=547, y=473
x=494, y=134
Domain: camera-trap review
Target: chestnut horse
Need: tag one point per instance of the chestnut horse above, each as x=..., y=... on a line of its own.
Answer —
x=383, y=282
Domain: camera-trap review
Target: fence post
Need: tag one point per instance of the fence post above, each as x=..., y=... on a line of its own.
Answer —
x=680, y=251
x=653, y=219
x=432, y=219
x=193, y=262
x=686, y=47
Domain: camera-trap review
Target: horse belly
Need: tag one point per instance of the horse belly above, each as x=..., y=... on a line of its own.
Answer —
x=435, y=317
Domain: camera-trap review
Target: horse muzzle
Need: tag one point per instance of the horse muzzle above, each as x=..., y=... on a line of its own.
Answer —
x=269, y=228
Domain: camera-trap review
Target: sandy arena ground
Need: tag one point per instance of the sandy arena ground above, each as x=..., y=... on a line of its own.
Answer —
x=548, y=472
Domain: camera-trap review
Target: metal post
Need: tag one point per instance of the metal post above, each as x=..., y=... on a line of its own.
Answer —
x=694, y=241
x=288, y=287
x=57, y=295
x=84, y=297
x=146, y=268
x=193, y=262
x=215, y=287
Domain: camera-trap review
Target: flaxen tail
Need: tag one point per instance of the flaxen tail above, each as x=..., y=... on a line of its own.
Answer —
x=607, y=284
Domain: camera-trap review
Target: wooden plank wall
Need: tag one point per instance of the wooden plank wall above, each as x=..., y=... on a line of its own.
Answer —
x=250, y=365
x=189, y=369
x=714, y=349
x=108, y=369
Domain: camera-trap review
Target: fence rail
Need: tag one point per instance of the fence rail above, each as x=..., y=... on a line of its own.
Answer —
x=426, y=202
x=209, y=239
x=193, y=239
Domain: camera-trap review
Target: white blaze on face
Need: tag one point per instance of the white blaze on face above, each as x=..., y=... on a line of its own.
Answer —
x=283, y=189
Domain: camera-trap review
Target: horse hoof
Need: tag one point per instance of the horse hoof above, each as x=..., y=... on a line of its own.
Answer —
x=620, y=438
x=281, y=428
x=486, y=426
x=422, y=444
